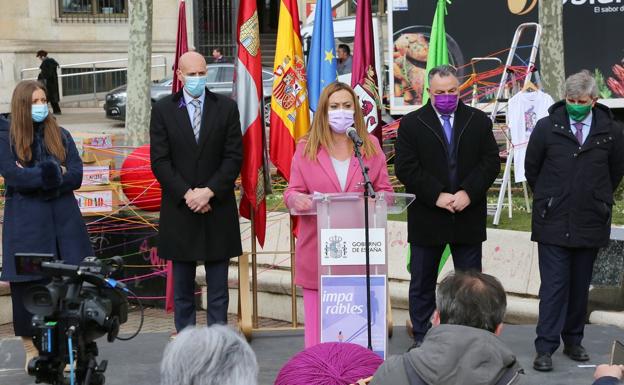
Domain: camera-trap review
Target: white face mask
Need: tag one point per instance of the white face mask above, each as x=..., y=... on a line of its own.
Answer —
x=340, y=120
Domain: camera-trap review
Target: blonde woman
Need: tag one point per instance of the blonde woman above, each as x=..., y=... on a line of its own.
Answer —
x=325, y=162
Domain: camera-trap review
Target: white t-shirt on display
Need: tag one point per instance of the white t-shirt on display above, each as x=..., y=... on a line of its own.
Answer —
x=524, y=110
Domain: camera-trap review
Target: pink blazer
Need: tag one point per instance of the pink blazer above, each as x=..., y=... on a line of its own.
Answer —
x=307, y=177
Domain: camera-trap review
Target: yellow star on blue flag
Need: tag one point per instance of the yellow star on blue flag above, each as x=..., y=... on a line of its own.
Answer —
x=329, y=55
x=321, y=60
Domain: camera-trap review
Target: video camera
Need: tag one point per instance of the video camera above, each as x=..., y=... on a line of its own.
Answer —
x=80, y=304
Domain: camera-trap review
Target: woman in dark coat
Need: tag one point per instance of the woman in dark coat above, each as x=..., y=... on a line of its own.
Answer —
x=49, y=78
x=41, y=169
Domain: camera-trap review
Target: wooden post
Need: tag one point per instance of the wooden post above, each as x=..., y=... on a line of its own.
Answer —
x=244, y=315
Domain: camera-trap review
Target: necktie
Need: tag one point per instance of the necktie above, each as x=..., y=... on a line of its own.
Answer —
x=579, y=132
x=448, y=129
x=196, y=118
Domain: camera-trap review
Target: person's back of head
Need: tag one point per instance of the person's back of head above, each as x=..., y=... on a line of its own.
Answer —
x=463, y=347
x=471, y=298
x=215, y=355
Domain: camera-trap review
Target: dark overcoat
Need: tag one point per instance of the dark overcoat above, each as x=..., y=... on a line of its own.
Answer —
x=41, y=214
x=573, y=185
x=423, y=165
x=49, y=78
x=180, y=163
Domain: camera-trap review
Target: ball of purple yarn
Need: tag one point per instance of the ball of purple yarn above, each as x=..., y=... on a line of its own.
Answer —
x=332, y=363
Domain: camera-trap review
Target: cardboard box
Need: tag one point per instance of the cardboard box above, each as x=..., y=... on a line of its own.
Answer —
x=79, y=145
x=97, y=173
x=97, y=200
x=95, y=146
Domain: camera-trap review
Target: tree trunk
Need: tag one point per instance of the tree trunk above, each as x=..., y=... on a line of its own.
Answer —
x=139, y=104
x=552, y=69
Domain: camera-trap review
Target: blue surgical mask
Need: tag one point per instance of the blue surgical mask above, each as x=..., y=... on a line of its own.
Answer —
x=195, y=85
x=39, y=112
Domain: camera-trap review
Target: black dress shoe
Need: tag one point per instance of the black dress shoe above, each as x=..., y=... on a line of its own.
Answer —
x=415, y=345
x=576, y=353
x=543, y=362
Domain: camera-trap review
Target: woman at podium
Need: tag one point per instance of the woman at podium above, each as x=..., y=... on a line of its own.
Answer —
x=324, y=162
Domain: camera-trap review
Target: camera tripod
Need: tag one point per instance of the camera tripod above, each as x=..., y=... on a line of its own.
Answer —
x=87, y=371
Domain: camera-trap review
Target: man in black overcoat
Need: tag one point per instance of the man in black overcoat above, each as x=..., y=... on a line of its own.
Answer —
x=574, y=162
x=196, y=155
x=48, y=76
x=447, y=156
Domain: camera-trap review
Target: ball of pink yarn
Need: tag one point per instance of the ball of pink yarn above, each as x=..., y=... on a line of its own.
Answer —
x=332, y=363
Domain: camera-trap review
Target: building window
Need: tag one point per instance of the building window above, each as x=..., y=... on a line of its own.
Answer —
x=93, y=10
x=215, y=27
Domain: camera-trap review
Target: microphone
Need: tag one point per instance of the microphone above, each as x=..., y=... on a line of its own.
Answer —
x=352, y=133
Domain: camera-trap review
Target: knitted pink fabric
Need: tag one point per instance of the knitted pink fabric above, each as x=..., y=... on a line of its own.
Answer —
x=331, y=363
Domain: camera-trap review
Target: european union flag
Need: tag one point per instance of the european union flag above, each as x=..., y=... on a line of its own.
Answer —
x=322, y=57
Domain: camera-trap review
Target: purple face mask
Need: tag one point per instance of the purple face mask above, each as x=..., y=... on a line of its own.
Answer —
x=340, y=120
x=445, y=103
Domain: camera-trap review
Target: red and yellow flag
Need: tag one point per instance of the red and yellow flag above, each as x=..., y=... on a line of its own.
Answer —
x=290, y=117
x=248, y=92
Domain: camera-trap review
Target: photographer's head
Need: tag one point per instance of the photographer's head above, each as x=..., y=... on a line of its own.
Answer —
x=470, y=298
x=209, y=356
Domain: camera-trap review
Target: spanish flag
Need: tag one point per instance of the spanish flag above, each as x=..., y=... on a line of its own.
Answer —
x=290, y=117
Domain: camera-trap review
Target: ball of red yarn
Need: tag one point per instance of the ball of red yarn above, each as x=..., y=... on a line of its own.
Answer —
x=331, y=363
x=138, y=182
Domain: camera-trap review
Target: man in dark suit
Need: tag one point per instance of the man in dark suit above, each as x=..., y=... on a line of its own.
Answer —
x=574, y=162
x=196, y=155
x=446, y=155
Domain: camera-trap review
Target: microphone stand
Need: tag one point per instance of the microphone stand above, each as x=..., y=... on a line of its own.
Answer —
x=368, y=192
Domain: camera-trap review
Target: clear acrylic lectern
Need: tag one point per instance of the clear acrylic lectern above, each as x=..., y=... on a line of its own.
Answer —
x=342, y=264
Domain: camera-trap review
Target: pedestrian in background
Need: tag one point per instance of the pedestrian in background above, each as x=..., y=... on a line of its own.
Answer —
x=48, y=76
x=217, y=55
x=345, y=60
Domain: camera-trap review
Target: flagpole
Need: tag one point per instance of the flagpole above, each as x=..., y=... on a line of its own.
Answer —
x=254, y=269
x=293, y=288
